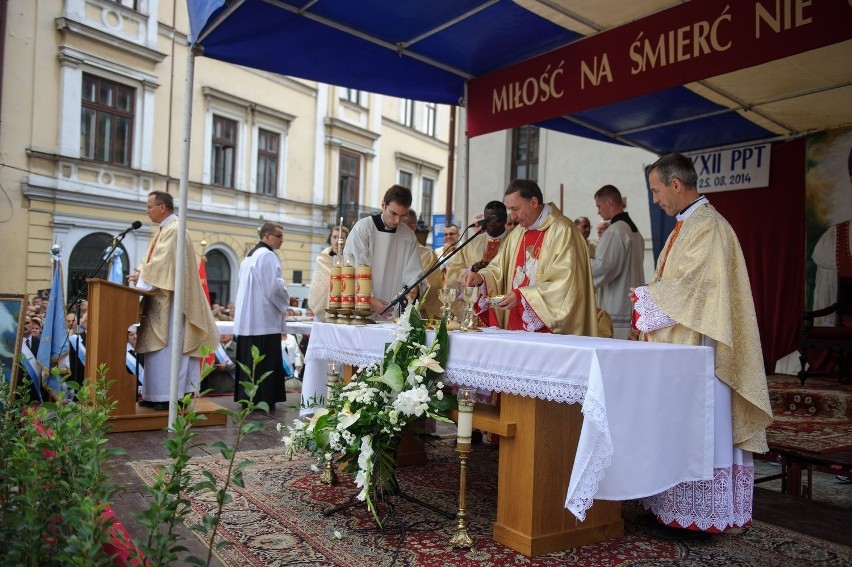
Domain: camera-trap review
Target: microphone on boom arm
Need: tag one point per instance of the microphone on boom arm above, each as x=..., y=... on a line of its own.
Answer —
x=134, y=226
x=484, y=221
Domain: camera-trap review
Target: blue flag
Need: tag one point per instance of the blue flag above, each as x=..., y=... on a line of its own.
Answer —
x=54, y=344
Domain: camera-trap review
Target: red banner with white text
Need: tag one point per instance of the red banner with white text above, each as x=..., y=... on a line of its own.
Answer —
x=686, y=43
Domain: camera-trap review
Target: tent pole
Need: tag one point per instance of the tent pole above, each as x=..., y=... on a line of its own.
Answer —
x=176, y=332
x=451, y=169
x=465, y=166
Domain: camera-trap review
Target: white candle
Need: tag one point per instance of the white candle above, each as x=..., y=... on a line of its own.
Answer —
x=465, y=422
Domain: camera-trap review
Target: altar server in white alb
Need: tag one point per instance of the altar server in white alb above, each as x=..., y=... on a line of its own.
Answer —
x=701, y=295
x=262, y=302
x=389, y=247
x=618, y=263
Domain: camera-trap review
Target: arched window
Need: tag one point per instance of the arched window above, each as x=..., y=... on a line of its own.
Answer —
x=85, y=257
x=219, y=277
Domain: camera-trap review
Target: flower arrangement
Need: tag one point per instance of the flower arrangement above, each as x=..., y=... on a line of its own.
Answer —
x=363, y=421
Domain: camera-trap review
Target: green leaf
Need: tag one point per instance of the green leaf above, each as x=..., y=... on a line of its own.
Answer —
x=393, y=377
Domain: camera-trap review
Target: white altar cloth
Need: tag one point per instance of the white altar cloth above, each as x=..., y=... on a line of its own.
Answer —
x=294, y=326
x=648, y=407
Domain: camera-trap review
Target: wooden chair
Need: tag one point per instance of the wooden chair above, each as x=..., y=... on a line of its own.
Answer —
x=837, y=339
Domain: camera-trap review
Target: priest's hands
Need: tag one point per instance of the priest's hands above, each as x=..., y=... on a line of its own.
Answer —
x=133, y=278
x=478, y=266
x=509, y=302
x=470, y=279
x=377, y=305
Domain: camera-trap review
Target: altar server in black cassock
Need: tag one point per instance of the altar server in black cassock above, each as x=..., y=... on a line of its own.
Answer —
x=262, y=302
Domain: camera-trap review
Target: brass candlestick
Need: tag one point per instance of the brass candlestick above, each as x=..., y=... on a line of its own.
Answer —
x=328, y=476
x=463, y=448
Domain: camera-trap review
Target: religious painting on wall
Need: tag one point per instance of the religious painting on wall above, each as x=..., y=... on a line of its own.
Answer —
x=828, y=202
x=12, y=309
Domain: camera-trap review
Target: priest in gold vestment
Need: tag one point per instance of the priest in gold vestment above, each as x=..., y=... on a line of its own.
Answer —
x=542, y=272
x=157, y=274
x=321, y=278
x=701, y=295
x=478, y=254
x=430, y=303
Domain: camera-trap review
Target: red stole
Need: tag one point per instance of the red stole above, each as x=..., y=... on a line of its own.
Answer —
x=531, y=241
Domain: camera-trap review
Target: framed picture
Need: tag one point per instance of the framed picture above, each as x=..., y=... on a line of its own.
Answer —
x=13, y=308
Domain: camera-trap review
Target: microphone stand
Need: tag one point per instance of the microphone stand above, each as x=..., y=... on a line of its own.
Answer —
x=400, y=299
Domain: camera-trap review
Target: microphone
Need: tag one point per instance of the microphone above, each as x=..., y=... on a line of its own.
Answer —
x=484, y=221
x=134, y=226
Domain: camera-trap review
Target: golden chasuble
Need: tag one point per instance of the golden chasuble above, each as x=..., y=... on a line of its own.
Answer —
x=563, y=296
x=702, y=283
x=159, y=270
x=431, y=307
x=318, y=295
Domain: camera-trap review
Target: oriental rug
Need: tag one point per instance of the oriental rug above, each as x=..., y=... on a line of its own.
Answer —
x=278, y=520
x=815, y=418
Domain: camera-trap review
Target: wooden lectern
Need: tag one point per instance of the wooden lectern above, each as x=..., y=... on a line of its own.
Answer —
x=112, y=309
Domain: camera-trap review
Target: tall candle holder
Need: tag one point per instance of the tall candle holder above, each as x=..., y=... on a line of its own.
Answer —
x=347, y=292
x=363, y=294
x=463, y=448
x=334, y=291
x=329, y=475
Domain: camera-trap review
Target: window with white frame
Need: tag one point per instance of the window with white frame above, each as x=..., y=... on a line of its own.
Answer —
x=126, y=3
x=430, y=118
x=268, y=157
x=354, y=96
x=408, y=112
x=349, y=174
x=106, y=120
x=427, y=200
x=525, y=152
x=405, y=178
x=224, y=150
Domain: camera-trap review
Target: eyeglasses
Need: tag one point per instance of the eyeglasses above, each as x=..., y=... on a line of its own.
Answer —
x=281, y=236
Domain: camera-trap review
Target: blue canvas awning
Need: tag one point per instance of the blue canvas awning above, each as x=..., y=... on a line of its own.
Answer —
x=430, y=49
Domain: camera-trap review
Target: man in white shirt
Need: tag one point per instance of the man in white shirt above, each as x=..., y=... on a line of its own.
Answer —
x=389, y=247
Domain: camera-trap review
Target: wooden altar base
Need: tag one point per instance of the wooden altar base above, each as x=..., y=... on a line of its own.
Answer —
x=148, y=419
x=536, y=459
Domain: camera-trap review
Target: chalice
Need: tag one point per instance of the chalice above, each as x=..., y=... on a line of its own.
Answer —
x=447, y=296
x=471, y=319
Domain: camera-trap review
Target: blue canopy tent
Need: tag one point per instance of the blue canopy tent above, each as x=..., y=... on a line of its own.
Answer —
x=679, y=76
x=430, y=49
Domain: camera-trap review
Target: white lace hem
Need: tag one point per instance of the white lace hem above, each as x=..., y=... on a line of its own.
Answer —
x=715, y=505
x=532, y=323
x=651, y=317
x=582, y=498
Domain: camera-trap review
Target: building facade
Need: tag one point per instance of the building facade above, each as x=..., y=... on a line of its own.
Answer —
x=92, y=120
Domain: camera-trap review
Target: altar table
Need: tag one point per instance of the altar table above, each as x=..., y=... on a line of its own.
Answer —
x=598, y=420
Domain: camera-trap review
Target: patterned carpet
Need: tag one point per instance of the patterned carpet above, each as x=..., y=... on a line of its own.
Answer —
x=278, y=520
x=816, y=418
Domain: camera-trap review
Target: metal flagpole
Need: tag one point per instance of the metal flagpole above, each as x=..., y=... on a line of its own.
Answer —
x=176, y=332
